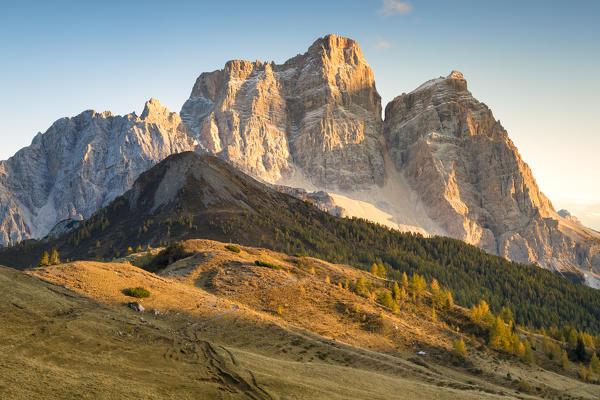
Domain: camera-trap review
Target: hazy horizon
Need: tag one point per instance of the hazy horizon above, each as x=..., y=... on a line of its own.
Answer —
x=535, y=65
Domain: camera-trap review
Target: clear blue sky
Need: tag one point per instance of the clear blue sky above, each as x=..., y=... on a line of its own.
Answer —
x=535, y=63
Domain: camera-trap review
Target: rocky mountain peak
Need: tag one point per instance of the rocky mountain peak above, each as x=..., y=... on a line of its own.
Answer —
x=338, y=50
x=456, y=75
x=155, y=113
x=313, y=119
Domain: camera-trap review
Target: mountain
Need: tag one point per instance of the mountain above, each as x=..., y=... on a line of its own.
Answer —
x=80, y=164
x=439, y=164
x=476, y=186
x=188, y=196
x=316, y=118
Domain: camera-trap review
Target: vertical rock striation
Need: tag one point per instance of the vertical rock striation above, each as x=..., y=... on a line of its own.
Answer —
x=316, y=118
x=80, y=164
x=468, y=172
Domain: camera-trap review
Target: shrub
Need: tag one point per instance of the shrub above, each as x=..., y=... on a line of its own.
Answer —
x=233, y=248
x=173, y=252
x=299, y=255
x=524, y=386
x=138, y=292
x=267, y=264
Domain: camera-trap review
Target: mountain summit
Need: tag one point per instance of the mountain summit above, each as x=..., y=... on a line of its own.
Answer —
x=316, y=118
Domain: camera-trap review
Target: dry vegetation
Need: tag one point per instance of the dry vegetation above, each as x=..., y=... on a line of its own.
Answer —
x=217, y=325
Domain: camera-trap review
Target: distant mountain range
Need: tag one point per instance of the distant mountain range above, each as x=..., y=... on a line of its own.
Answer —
x=438, y=164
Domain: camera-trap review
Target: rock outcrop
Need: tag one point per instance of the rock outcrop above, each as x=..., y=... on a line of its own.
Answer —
x=316, y=118
x=80, y=164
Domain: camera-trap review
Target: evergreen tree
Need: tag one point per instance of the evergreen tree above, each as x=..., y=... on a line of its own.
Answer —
x=45, y=260
x=396, y=292
x=580, y=349
x=564, y=360
x=54, y=260
x=417, y=286
x=595, y=364
x=404, y=281
x=459, y=349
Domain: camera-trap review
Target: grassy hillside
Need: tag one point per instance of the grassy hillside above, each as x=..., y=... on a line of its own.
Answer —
x=239, y=209
x=290, y=327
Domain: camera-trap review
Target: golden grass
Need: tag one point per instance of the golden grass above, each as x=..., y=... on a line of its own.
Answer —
x=218, y=334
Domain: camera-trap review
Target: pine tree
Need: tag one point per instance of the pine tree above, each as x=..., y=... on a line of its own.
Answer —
x=374, y=269
x=459, y=349
x=45, y=260
x=404, y=281
x=54, y=260
x=417, y=286
x=529, y=357
x=580, y=349
x=564, y=360
x=396, y=291
x=595, y=364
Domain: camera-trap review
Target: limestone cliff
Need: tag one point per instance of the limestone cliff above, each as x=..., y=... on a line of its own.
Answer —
x=315, y=118
x=80, y=164
x=468, y=172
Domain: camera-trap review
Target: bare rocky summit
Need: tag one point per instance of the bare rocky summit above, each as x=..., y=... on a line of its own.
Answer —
x=316, y=118
x=80, y=164
x=468, y=172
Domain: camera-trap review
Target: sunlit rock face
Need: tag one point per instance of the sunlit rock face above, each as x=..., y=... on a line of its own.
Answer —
x=317, y=116
x=468, y=172
x=80, y=164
